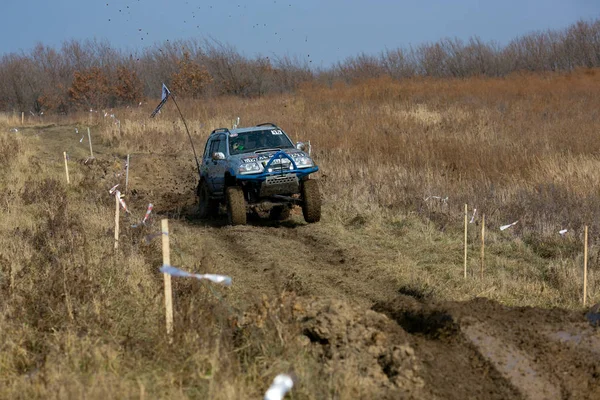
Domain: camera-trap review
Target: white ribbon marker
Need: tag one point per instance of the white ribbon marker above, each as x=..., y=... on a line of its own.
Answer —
x=176, y=272
x=473, y=216
x=503, y=227
x=148, y=211
x=143, y=222
x=440, y=198
x=149, y=238
x=562, y=232
x=281, y=385
x=114, y=191
x=118, y=194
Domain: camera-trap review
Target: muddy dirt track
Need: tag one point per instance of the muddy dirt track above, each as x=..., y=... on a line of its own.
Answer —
x=358, y=317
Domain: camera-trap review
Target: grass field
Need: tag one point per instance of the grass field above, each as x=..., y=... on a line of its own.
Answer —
x=78, y=320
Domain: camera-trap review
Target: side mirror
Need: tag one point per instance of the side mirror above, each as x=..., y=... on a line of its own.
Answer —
x=301, y=146
x=218, y=156
x=306, y=147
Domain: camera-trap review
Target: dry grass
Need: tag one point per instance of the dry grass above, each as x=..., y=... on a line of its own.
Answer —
x=76, y=321
x=521, y=148
x=517, y=148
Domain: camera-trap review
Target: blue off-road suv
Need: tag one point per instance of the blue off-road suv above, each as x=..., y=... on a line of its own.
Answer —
x=257, y=169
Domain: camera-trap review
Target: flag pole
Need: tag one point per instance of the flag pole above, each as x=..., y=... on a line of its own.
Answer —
x=166, y=94
x=188, y=133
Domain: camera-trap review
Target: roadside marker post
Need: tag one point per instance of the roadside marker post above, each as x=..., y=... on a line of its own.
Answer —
x=482, y=243
x=466, y=223
x=117, y=206
x=90, y=141
x=585, y=263
x=66, y=167
x=167, y=279
x=127, y=174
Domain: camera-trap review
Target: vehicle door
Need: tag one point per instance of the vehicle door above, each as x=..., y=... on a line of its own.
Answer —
x=205, y=163
x=217, y=168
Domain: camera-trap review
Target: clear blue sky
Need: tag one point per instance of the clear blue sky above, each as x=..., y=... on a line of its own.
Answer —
x=325, y=30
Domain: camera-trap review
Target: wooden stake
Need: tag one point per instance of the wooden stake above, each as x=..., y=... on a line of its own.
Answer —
x=466, y=223
x=90, y=141
x=66, y=167
x=22, y=118
x=127, y=174
x=167, y=278
x=585, y=262
x=482, y=243
x=12, y=279
x=117, y=209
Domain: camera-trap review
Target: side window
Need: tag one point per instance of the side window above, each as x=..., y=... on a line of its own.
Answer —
x=207, y=149
x=222, y=144
x=214, y=147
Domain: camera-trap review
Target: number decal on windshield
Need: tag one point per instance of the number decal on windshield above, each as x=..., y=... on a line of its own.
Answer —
x=277, y=132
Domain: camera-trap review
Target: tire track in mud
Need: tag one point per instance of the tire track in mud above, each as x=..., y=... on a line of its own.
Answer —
x=306, y=259
x=481, y=349
x=514, y=365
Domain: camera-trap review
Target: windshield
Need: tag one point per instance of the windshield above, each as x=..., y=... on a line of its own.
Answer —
x=244, y=142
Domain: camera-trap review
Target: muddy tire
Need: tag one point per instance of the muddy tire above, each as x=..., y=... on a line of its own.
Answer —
x=207, y=207
x=236, y=205
x=311, y=201
x=280, y=213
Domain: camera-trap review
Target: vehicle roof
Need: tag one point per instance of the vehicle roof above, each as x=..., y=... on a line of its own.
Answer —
x=243, y=130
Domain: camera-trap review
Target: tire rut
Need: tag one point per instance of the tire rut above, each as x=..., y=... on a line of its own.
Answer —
x=304, y=259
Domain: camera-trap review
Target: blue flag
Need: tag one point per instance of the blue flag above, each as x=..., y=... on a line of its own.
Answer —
x=165, y=92
x=165, y=96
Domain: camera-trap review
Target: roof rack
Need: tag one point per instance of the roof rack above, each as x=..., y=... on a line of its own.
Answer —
x=220, y=130
x=268, y=124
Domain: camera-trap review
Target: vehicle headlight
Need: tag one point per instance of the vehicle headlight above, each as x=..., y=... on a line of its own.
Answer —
x=303, y=162
x=250, y=168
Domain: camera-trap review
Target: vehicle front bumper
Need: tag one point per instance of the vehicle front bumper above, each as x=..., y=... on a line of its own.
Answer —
x=259, y=178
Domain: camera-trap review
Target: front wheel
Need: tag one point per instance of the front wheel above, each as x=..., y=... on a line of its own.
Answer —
x=311, y=201
x=236, y=205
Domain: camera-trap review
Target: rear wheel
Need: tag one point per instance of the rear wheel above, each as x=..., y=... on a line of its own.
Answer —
x=236, y=206
x=311, y=201
x=207, y=207
x=280, y=213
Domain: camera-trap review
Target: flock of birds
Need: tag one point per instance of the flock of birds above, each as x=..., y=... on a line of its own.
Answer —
x=128, y=13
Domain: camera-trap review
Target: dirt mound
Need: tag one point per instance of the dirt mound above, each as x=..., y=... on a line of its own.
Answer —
x=367, y=342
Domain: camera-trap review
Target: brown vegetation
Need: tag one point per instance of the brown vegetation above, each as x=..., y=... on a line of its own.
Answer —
x=191, y=79
x=42, y=79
